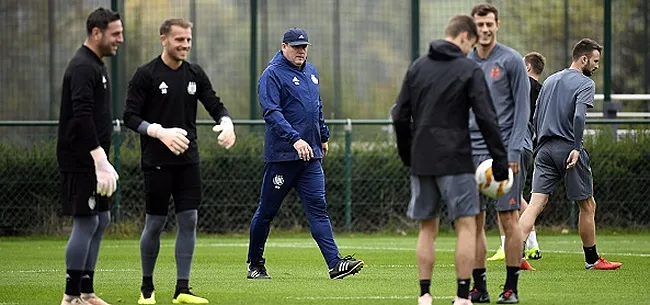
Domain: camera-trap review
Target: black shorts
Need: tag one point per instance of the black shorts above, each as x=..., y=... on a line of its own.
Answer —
x=78, y=195
x=182, y=183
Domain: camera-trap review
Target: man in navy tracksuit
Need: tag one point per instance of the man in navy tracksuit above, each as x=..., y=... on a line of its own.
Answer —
x=295, y=143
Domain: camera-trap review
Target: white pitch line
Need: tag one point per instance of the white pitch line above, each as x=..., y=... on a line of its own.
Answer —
x=61, y=270
x=390, y=297
x=372, y=248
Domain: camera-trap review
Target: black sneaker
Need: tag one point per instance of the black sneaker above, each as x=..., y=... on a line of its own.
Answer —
x=258, y=271
x=508, y=297
x=346, y=266
x=478, y=296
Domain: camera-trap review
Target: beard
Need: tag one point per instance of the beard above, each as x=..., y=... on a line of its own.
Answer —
x=586, y=72
x=106, y=49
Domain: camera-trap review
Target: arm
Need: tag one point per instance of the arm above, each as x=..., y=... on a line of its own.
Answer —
x=209, y=99
x=486, y=118
x=584, y=100
x=269, y=97
x=82, y=83
x=402, y=115
x=520, y=86
x=324, y=130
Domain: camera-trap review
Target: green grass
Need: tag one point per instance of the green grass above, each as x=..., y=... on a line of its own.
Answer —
x=32, y=271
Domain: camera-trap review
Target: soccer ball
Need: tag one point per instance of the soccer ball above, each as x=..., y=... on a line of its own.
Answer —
x=486, y=183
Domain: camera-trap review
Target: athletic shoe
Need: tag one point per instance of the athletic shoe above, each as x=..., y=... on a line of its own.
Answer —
x=525, y=265
x=93, y=299
x=187, y=297
x=603, y=264
x=426, y=299
x=346, y=266
x=147, y=297
x=478, y=296
x=257, y=271
x=72, y=300
x=498, y=256
x=508, y=297
x=534, y=253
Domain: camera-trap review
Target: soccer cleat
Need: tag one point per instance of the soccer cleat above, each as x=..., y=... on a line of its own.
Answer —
x=93, y=299
x=460, y=301
x=477, y=296
x=187, y=297
x=72, y=300
x=346, y=266
x=498, y=256
x=258, y=271
x=147, y=298
x=508, y=297
x=534, y=253
x=603, y=264
x=525, y=265
x=426, y=299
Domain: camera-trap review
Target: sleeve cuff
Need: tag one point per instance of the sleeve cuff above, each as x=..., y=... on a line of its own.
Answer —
x=514, y=156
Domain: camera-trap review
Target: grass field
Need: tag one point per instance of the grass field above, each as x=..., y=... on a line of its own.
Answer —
x=32, y=271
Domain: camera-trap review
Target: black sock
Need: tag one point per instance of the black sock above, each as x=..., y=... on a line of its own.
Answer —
x=463, y=288
x=72, y=282
x=147, y=286
x=424, y=287
x=182, y=286
x=512, y=278
x=591, y=255
x=480, y=278
x=87, y=281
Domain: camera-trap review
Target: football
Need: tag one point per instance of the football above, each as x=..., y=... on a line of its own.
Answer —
x=486, y=183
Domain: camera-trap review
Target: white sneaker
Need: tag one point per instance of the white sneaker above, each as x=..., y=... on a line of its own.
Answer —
x=461, y=301
x=93, y=299
x=426, y=299
x=72, y=300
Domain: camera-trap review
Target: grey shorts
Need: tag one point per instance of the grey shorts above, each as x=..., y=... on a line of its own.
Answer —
x=550, y=168
x=511, y=200
x=458, y=191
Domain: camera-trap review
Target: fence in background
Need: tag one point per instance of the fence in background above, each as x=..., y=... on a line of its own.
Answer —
x=367, y=186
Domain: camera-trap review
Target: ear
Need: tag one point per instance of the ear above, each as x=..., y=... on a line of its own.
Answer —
x=96, y=32
x=529, y=67
x=163, y=39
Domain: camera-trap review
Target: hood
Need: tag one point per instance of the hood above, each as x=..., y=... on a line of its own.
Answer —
x=444, y=50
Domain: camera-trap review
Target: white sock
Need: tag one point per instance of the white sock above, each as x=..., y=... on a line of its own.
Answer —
x=531, y=242
x=503, y=241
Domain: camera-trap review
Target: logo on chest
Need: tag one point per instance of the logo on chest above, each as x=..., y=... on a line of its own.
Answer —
x=295, y=81
x=495, y=73
x=163, y=88
x=104, y=81
x=191, y=88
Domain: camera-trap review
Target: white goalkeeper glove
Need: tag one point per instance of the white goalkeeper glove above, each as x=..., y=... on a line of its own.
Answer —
x=174, y=138
x=226, y=132
x=105, y=172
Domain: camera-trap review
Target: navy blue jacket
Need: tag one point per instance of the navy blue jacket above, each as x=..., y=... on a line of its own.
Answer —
x=292, y=109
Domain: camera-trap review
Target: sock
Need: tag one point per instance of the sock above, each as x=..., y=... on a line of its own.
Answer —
x=147, y=286
x=591, y=255
x=150, y=243
x=182, y=286
x=480, y=279
x=424, y=287
x=87, y=281
x=531, y=242
x=512, y=278
x=463, y=288
x=72, y=280
x=185, y=242
x=503, y=242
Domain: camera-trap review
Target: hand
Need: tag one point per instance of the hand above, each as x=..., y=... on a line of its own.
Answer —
x=226, y=132
x=325, y=149
x=514, y=166
x=106, y=175
x=174, y=138
x=571, y=161
x=305, y=152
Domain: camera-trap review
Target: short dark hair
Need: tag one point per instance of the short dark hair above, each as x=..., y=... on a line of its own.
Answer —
x=536, y=61
x=585, y=47
x=482, y=9
x=166, y=26
x=459, y=24
x=100, y=18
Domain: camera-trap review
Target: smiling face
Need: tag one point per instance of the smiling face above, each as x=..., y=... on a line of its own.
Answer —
x=488, y=26
x=177, y=43
x=108, y=40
